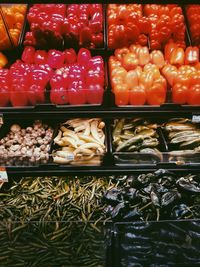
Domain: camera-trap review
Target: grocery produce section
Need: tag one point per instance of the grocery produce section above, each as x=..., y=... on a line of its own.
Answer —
x=99, y=134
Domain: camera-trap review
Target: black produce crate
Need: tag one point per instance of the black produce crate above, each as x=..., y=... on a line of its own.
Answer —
x=53, y=244
x=164, y=243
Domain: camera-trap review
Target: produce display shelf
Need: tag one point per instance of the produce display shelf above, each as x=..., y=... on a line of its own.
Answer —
x=104, y=112
x=97, y=170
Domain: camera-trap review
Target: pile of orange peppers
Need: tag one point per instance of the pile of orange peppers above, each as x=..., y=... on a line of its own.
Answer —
x=14, y=17
x=182, y=72
x=167, y=21
x=193, y=16
x=135, y=76
x=126, y=25
x=139, y=77
x=132, y=23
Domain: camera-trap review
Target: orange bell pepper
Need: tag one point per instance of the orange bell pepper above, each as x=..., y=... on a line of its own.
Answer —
x=177, y=57
x=3, y=60
x=191, y=55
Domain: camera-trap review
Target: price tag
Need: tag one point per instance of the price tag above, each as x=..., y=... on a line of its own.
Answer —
x=196, y=118
x=3, y=175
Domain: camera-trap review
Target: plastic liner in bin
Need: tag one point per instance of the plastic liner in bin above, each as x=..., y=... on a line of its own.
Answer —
x=52, y=244
x=166, y=243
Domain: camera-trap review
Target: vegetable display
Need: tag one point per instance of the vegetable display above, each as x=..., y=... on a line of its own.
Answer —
x=183, y=139
x=69, y=219
x=26, y=146
x=134, y=23
x=193, y=16
x=74, y=25
x=126, y=25
x=14, y=16
x=161, y=195
x=82, y=142
x=135, y=76
x=141, y=77
x=74, y=79
x=80, y=80
x=138, y=136
x=55, y=199
x=167, y=21
x=52, y=244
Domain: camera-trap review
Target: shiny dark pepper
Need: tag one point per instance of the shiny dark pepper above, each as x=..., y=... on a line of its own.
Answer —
x=161, y=195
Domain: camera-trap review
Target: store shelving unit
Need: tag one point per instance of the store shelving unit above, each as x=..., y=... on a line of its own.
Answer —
x=106, y=111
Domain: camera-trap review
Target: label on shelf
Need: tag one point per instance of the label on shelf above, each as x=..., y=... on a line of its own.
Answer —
x=3, y=175
x=196, y=118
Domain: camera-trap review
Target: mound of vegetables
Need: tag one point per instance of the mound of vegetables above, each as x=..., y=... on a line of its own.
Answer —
x=161, y=195
x=80, y=142
x=26, y=145
x=135, y=23
x=74, y=78
x=140, y=77
x=73, y=25
x=54, y=221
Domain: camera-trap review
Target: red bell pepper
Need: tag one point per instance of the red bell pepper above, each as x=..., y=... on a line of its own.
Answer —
x=40, y=57
x=55, y=59
x=28, y=55
x=59, y=95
